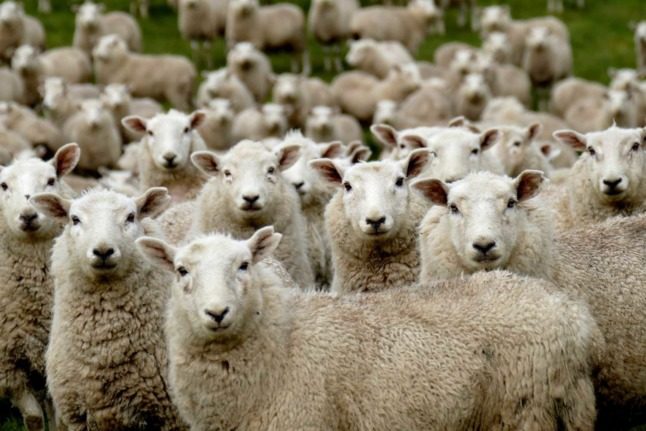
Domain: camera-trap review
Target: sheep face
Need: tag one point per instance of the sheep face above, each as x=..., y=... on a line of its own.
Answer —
x=11, y=14
x=498, y=47
x=464, y=62
x=615, y=161
x=54, y=92
x=102, y=227
x=110, y=47
x=88, y=16
x=513, y=145
x=485, y=214
x=621, y=107
x=407, y=75
x=376, y=194
x=25, y=178
x=244, y=8
x=623, y=79
x=456, y=152
x=301, y=175
x=221, y=111
x=25, y=60
x=360, y=50
x=320, y=121
x=116, y=96
x=287, y=90
x=244, y=58
x=169, y=137
x=474, y=92
x=95, y=115
x=215, y=291
x=385, y=113
x=274, y=117
x=538, y=39
x=495, y=19
x=250, y=175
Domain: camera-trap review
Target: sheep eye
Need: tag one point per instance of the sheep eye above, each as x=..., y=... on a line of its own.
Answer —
x=130, y=218
x=399, y=182
x=454, y=209
x=517, y=144
x=475, y=151
x=244, y=266
x=51, y=181
x=227, y=173
x=591, y=151
x=182, y=271
x=512, y=203
x=150, y=132
x=75, y=220
x=402, y=146
x=4, y=186
x=347, y=186
x=271, y=170
x=186, y=130
x=636, y=146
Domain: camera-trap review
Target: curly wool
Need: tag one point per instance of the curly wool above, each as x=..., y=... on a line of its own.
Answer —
x=401, y=359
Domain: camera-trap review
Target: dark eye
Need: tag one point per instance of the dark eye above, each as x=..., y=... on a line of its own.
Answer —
x=182, y=271
x=475, y=151
x=399, y=182
x=454, y=209
x=186, y=130
x=244, y=266
x=51, y=181
x=512, y=203
x=150, y=132
x=591, y=151
x=636, y=146
x=402, y=146
x=130, y=218
x=4, y=186
x=227, y=173
x=271, y=170
x=517, y=144
x=347, y=186
x=75, y=220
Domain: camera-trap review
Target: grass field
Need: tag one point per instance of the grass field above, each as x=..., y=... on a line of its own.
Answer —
x=600, y=36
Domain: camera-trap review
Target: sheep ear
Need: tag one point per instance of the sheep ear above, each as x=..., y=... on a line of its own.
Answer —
x=533, y=130
x=66, y=158
x=197, y=118
x=263, y=243
x=52, y=205
x=488, y=138
x=287, y=156
x=135, y=123
x=457, y=121
x=550, y=151
x=574, y=139
x=207, y=162
x=361, y=154
x=414, y=141
x=433, y=189
x=528, y=184
x=385, y=134
x=331, y=150
x=328, y=170
x=415, y=162
x=152, y=202
x=157, y=252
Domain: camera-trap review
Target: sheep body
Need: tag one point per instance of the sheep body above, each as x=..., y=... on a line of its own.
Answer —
x=225, y=85
x=568, y=91
x=12, y=88
x=25, y=122
x=252, y=67
x=325, y=125
x=17, y=28
x=269, y=120
x=377, y=58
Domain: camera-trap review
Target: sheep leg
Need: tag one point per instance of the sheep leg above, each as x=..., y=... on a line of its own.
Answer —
x=337, y=58
x=305, y=63
x=143, y=8
x=44, y=6
x=195, y=50
x=475, y=17
x=133, y=8
x=208, y=54
x=52, y=419
x=32, y=413
x=327, y=58
x=462, y=16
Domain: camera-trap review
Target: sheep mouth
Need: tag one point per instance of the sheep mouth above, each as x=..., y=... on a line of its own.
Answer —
x=29, y=227
x=104, y=266
x=486, y=258
x=614, y=192
x=251, y=208
x=219, y=328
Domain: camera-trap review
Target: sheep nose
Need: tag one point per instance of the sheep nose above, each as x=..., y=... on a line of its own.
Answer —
x=484, y=248
x=28, y=217
x=103, y=253
x=375, y=223
x=217, y=317
x=251, y=199
x=27, y=197
x=299, y=185
x=612, y=183
x=170, y=157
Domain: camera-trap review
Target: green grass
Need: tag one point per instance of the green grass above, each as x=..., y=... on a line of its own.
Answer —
x=600, y=36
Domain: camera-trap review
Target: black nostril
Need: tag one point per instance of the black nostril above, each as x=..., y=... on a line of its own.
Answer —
x=218, y=317
x=251, y=199
x=484, y=248
x=376, y=223
x=103, y=253
x=27, y=218
x=169, y=157
x=299, y=185
x=27, y=196
x=612, y=183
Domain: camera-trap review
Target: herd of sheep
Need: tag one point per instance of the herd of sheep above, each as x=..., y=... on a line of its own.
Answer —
x=236, y=262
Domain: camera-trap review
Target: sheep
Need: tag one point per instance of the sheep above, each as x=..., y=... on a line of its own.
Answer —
x=71, y=64
x=372, y=223
x=629, y=80
x=329, y=23
x=269, y=120
x=377, y=58
x=94, y=129
x=103, y=371
x=517, y=151
x=428, y=106
x=402, y=359
x=253, y=68
x=640, y=45
x=165, y=150
x=496, y=46
x=60, y=100
x=485, y=222
x=614, y=106
x=225, y=85
x=395, y=147
x=216, y=129
x=325, y=124
x=567, y=92
x=38, y=131
x=507, y=80
x=91, y=24
x=167, y=77
x=358, y=93
x=12, y=88
x=608, y=179
x=299, y=94
x=314, y=194
x=494, y=19
x=247, y=21
x=118, y=99
x=407, y=25
x=445, y=54
x=472, y=96
x=248, y=190
x=547, y=57
x=199, y=22
x=26, y=288
x=12, y=144
x=17, y=29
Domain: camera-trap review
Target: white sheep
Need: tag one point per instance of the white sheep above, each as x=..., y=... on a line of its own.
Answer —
x=61, y=101
x=472, y=96
x=12, y=145
x=597, y=113
x=570, y=90
x=518, y=151
x=494, y=18
x=508, y=80
x=377, y=58
x=487, y=222
x=357, y=93
x=408, y=25
x=372, y=222
x=199, y=22
x=329, y=23
x=26, y=291
x=608, y=179
x=247, y=21
x=630, y=81
x=268, y=120
x=17, y=28
x=217, y=127
x=547, y=57
x=118, y=99
x=165, y=150
x=94, y=129
x=400, y=359
x=253, y=68
x=12, y=88
x=165, y=77
x=299, y=94
x=395, y=146
x=640, y=45
x=249, y=190
x=325, y=124
x=446, y=53
x=103, y=370
x=222, y=84
x=91, y=24
x=496, y=46
x=38, y=131
x=69, y=63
